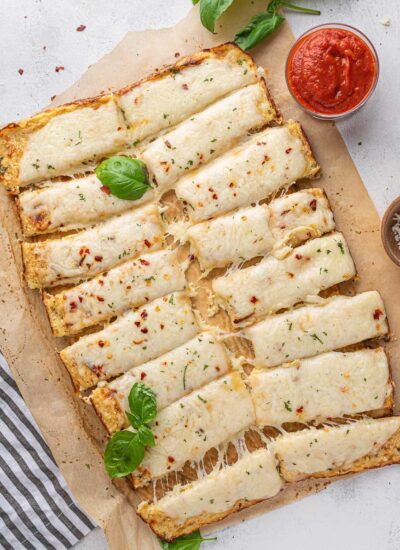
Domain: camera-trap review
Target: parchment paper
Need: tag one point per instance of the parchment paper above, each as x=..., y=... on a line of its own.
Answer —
x=70, y=427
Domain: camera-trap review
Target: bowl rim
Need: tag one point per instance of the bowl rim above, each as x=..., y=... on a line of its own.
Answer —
x=385, y=225
x=364, y=37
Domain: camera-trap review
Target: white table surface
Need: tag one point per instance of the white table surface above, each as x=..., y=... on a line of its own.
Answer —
x=37, y=35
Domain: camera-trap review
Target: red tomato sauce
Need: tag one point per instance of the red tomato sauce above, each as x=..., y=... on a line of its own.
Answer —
x=330, y=71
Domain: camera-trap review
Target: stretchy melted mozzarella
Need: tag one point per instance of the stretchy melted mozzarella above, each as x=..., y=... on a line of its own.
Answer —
x=170, y=376
x=252, y=478
x=135, y=337
x=70, y=205
x=326, y=386
x=207, y=134
x=255, y=231
x=306, y=331
x=254, y=170
x=70, y=138
x=275, y=284
x=189, y=427
x=333, y=450
x=92, y=251
x=128, y=285
x=165, y=99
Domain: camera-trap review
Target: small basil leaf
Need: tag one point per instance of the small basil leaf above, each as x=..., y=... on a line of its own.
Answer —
x=194, y=2
x=123, y=454
x=142, y=402
x=146, y=436
x=260, y=26
x=185, y=542
x=126, y=177
x=211, y=11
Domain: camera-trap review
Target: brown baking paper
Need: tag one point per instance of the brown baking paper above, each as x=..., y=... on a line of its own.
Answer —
x=70, y=427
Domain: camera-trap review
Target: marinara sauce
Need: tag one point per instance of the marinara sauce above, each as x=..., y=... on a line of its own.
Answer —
x=331, y=70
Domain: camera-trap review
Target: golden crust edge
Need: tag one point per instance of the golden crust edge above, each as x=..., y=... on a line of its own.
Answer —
x=108, y=409
x=313, y=169
x=82, y=377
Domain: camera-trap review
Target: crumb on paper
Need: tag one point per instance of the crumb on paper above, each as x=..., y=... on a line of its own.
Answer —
x=21, y=71
x=385, y=21
x=81, y=28
x=59, y=68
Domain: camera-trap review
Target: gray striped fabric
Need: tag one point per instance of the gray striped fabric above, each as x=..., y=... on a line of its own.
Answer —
x=36, y=509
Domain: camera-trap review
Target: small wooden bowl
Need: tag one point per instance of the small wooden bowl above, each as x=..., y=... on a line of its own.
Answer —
x=392, y=246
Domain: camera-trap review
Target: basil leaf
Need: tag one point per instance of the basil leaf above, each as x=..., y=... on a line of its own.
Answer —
x=146, y=436
x=293, y=7
x=126, y=178
x=260, y=26
x=194, y=2
x=134, y=422
x=123, y=454
x=185, y=542
x=142, y=402
x=211, y=10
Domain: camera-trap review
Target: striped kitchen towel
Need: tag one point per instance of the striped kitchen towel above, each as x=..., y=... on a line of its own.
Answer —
x=37, y=510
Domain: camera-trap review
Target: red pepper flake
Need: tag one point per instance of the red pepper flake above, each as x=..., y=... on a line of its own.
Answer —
x=266, y=159
x=162, y=326
x=284, y=212
x=253, y=299
x=313, y=204
x=215, y=196
x=144, y=314
x=144, y=330
x=137, y=323
x=147, y=243
x=53, y=97
x=105, y=189
x=80, y=298
x=288, y=150
x=185, y=86
x=59, y=68
x=101, y=282
x=300, y=410
x=191, y=257
x=143, y=375
x=98, y=258
x=100, y=298
x=101, y=343
x=72, y=305
x=298, y=256
x=98, y=370
x=168, y=144
x=290, y=275
x=377, y=314
x=21, y=71
x=171, y=459
x=177, y=54
x=144, y=262
x=231, y=184
x=81, y=28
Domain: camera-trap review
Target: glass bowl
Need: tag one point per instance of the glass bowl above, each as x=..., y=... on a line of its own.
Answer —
x=334, y=116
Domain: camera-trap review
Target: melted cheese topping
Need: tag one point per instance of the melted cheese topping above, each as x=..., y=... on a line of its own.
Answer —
x=253, y=477
x=255, y=231
x=176, y=373
x=244, y=175
x=135, y=337
x=161, y=102
x=232, y=238
x=306, y=331
x=93, y=251
x=207, y=134
x=189, y=427
x=70, y=205
x=328, y=385
x=275, y=284
x=131, y=284
x=300, y=216
x=71, y=138
x=312, y=451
